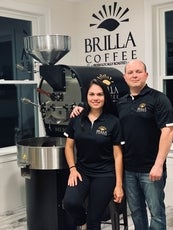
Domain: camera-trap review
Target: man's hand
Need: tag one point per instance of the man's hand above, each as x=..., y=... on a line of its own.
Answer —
x=156, y=173
x=76, y=111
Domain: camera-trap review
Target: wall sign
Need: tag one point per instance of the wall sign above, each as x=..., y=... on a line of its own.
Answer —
x=112, y=48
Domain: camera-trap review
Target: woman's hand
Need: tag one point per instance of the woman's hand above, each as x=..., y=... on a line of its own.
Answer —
x=73, y=177
x=118, y=194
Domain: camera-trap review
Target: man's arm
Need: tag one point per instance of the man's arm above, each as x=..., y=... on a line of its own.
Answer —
x=76, y=111
x=165, y=142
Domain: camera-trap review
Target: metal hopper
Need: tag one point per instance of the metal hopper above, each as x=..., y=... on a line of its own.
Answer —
x=47, y=49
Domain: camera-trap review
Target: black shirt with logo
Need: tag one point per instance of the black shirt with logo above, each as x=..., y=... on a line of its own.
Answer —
x=142, y=117
x=94, y=143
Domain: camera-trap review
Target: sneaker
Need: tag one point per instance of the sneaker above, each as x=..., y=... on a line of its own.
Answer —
x=82, y=227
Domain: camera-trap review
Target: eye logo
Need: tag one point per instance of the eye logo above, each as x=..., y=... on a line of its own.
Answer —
x=105, y=79
x=110, y=18
x=102, y=130
x=142, y=107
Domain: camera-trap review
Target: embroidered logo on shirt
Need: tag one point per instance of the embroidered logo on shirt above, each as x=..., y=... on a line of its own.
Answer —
x=102, y=130
x=142, y=107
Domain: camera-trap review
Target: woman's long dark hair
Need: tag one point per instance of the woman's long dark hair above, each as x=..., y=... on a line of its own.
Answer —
x=108, y=105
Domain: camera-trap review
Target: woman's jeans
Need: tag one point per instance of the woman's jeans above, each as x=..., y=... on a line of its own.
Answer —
x=140, y=191
x=98, y=191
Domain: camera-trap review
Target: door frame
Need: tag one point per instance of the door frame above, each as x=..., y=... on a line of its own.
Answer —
x=155, y=40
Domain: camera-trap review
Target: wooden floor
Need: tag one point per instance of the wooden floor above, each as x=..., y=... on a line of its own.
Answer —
x=16, y=220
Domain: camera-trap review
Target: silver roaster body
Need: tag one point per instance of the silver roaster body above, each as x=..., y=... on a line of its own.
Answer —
x=42, y=159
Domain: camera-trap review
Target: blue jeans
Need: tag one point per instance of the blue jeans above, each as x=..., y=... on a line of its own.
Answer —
x=142, y=193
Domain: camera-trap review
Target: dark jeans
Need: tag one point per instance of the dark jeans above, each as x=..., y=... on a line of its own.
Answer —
x=98, y=191
x=141, y=191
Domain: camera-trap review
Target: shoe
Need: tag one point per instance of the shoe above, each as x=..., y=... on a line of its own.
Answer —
x=82, y=227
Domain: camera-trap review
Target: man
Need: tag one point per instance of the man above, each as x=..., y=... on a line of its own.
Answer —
x=146, y=117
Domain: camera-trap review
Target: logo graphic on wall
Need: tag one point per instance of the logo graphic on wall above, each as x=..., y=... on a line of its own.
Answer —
x=113, y=48
x=109, y=82
x=110, y=17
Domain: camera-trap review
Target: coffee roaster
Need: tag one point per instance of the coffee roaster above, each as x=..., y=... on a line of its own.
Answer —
x=41, y=159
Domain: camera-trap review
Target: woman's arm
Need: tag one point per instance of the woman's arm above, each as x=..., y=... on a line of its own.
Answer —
x=69, y=152
x=118, y=191
x=70, y=158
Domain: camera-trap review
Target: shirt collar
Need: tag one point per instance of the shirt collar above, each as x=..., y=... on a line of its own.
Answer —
x=144, y=91
x=100, y=118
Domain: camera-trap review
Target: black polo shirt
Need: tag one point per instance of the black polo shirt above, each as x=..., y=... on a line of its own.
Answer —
x=94, y=143
x=141, y=118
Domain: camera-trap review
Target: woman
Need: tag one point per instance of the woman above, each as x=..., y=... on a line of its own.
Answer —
x=97, y=173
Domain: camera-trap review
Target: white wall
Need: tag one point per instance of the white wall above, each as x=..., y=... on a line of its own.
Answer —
x=12, y=185
x=73, y=18
x=135, y=26
x=169, y=183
